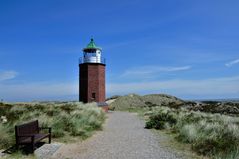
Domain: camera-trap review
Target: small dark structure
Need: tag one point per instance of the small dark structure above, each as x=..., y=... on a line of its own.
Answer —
x=29, y=134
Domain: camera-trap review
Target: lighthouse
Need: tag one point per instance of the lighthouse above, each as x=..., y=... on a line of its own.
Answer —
x=92, y=75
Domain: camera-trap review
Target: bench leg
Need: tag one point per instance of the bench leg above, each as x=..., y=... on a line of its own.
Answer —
x=17, y=146
x=32, y=144
x=32, y=148
x=49, y=138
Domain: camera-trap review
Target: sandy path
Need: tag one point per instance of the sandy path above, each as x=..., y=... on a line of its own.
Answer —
x=124, y=137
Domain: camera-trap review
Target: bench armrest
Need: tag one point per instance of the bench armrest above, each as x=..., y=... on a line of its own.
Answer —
x=49, y=129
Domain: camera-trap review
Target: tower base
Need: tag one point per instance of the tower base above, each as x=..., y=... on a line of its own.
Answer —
x=104, y=106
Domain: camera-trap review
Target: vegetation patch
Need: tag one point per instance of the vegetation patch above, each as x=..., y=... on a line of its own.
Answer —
x=67, y=119
x=209, y=134
x=134, y=101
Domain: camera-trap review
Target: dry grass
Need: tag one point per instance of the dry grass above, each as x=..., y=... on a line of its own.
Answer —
x=66, y=119
x=211, y=135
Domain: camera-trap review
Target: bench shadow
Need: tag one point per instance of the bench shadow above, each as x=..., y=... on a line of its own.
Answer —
x=25, y=150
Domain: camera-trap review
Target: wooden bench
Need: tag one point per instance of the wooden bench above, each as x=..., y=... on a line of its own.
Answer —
x=29, y=134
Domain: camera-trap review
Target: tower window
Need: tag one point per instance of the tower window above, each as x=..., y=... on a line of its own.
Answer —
x=93, y=95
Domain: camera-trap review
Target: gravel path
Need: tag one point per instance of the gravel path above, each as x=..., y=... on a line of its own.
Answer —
x=124, y=137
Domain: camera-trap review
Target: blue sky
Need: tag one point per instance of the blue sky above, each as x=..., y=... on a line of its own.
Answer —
x=180, y=47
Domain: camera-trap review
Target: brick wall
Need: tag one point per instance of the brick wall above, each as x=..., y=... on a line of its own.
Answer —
x=92, y=82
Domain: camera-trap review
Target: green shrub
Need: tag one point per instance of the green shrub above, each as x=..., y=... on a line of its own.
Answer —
x=162, y=118
x=6, y=138
x=4, y=108
x=58, y=128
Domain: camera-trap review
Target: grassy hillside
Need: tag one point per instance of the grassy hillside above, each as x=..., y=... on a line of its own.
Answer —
x=133, y=101
x=67, y=119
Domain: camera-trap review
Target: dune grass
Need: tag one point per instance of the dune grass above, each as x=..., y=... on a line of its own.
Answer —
x=213, y=135
x=67, y=119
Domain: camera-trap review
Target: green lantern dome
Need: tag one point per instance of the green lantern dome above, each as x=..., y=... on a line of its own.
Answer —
x=92, y=45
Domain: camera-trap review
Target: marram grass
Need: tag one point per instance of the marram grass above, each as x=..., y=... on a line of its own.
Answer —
x=66, y=119
x=212, y=135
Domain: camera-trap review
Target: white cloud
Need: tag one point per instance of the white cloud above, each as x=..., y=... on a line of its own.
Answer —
x=6, y=75
x=231, y=63
x=146, y=71
x=206, y=88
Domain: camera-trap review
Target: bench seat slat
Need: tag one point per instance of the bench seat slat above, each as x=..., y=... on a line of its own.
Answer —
x=37, y=138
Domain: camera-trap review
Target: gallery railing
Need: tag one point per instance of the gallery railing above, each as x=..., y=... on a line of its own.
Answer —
x=101, y=60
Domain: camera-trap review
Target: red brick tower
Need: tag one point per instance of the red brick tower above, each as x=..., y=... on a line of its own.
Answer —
x=92, y=75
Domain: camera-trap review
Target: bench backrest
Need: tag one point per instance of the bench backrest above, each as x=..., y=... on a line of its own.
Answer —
x=27, y=128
